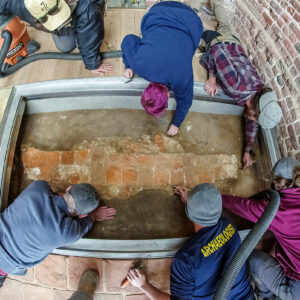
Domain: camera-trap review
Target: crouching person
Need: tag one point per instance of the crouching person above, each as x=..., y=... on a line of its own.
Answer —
x=39, y=221
x=200, y=263
x=278, y=276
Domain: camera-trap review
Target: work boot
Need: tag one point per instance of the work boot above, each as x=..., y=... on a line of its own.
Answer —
x=89, y=281
x=32, y=47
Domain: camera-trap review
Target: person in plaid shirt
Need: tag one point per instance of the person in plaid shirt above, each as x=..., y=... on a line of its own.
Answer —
x=229, y=67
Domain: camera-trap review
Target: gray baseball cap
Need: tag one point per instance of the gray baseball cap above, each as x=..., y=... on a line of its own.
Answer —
x=204, y=205
x=270, y=112
x=284, y=167
x=85, y=196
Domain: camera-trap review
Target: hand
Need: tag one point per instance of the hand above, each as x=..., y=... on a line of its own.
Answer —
x=173, y=130
x=104, y=68
x=247, y=160
x=128, y=73
x=211, y=86
x=183, y=193
x=136, y=278
x=103, y=213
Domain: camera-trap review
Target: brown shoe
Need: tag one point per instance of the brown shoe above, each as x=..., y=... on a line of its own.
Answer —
x=89, y=281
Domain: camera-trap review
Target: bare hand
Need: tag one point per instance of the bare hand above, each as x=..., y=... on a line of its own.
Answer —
x=211, y=86
x=136, y=278
x=103, y=213
x=183, y=193
x=128, y=73
x=173, y=130
x=247, y=160
x=104, y=68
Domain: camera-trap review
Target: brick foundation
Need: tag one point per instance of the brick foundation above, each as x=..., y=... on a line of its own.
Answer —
x=121, y=167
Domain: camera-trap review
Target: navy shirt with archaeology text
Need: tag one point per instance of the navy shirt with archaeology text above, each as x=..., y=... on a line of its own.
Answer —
x=200, y=262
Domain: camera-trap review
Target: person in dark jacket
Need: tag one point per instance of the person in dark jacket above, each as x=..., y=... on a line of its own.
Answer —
x=39, y=221
x=71, y=22
x=163, y=56
x=200, y=263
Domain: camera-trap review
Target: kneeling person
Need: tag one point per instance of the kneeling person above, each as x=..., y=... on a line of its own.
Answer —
x=200, y=263
x=163, y=56
x=39, y=221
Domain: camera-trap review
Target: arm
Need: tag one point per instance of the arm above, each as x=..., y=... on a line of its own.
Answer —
x=184, y=100
x=250, y=209
x=129, y=47
x=89, y=29
x=250, y=133
x=139, y=280
x=75, y=228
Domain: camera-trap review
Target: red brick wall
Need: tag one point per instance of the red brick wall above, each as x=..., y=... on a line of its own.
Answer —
x=270, y=33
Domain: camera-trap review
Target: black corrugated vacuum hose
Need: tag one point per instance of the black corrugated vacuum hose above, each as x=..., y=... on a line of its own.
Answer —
x=248, y=245
x=46, y=55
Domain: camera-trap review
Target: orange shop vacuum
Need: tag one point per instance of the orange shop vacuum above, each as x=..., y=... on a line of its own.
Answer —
x=16, y=48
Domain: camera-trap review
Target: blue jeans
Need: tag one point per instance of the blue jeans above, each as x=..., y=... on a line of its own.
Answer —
x=65, y=41
x=270, y=278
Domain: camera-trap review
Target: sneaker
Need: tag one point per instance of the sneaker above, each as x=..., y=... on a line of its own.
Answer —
x=89, y=281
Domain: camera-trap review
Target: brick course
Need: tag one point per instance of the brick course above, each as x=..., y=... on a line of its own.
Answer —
x=122, y=174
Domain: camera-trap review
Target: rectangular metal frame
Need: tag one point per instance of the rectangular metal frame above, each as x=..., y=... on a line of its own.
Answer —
x=97, y=93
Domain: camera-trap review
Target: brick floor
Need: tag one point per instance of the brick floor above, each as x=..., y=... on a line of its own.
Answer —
x=56, y=278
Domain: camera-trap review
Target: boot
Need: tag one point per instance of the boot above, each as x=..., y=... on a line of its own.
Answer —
x=89, y=281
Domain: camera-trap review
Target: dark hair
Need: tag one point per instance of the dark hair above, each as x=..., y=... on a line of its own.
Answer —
x=279, y=183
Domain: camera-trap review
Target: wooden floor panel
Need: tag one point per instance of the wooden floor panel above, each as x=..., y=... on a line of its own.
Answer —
x=118, y=23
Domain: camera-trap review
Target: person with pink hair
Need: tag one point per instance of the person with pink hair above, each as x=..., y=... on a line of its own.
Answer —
x=163, y=56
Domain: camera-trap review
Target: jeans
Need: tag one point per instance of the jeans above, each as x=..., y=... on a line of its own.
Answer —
x=65, y=41
x=270, y=278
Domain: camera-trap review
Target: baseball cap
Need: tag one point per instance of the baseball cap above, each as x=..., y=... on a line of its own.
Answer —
x=204, y=205
x=85, y=196
x=270, y=112
x=284, y=167
x=50, y=13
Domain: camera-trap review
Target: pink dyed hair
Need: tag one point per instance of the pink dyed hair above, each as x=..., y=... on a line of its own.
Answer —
x=155, y=99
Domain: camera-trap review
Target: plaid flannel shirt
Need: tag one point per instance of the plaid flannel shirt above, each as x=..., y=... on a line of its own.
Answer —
x=238, y=79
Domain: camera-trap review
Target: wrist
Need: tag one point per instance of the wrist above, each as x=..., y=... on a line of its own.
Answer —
x=92, y=216
x=145, y=286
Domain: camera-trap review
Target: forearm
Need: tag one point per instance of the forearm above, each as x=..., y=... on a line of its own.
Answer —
x=251, y=128
x=153, y=293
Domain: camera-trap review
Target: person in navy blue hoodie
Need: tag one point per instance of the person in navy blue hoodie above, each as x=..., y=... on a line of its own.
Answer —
x=163, y=56
x=200, y=263
x=39, y=221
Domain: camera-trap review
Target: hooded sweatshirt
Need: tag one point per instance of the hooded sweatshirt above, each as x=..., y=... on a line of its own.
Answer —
x=285, y=225
x=171, y=34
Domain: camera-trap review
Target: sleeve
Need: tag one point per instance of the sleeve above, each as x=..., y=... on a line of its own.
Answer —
x=89, y=30
x=250, y=209
x=182, y=281
x=74, y=229
x=129, y=45
x=184, y=100
x=208, y=63
x=250, y=133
